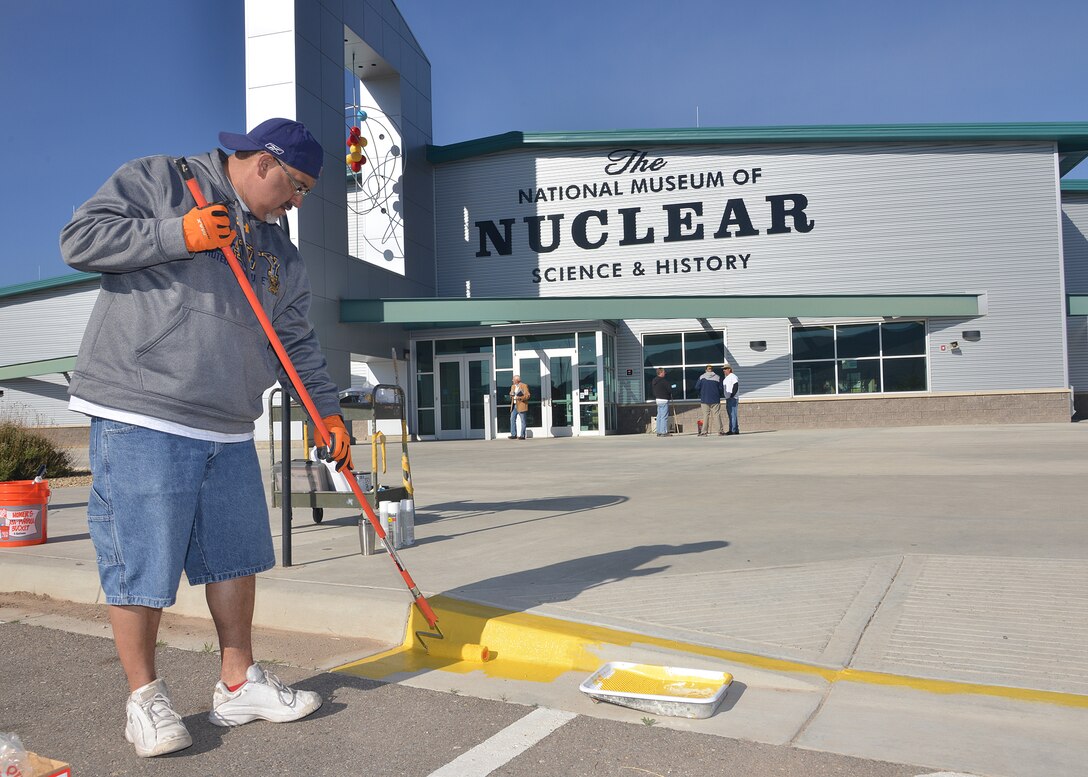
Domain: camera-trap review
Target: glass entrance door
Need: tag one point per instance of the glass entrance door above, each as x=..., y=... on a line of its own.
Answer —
x=553, y=406
x=463, y=383
x=561, y=395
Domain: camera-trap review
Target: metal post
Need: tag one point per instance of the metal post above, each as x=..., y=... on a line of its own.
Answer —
x=285, y=478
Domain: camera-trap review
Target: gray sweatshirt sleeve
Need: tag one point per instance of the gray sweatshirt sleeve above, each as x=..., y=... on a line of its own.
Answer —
x=130, y=223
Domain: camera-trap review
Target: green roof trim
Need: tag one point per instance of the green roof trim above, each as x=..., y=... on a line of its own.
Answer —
x=1075, y=185
x=1077, y=304
x=33, y=369
x=432, y=311
x=1071, y=137
x=48, y=283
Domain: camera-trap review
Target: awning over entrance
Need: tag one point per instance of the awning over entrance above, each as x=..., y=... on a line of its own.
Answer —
x=436, y=311
x=33, y=369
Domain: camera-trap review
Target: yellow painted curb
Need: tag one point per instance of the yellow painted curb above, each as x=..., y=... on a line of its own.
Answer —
x=541, y=649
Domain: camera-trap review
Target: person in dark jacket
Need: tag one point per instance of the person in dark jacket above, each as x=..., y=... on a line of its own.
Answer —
x=709, y=386
x=662, y=392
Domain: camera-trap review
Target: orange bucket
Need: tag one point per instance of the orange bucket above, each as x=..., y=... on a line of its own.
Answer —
x=23, y=512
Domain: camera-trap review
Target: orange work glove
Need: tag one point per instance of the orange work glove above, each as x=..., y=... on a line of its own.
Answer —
x=207, y=228
x=340, y=444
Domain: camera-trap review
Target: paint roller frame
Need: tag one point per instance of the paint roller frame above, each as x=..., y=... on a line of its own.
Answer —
x=469, y=651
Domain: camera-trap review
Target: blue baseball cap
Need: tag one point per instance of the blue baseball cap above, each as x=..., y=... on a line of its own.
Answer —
x=287, y=140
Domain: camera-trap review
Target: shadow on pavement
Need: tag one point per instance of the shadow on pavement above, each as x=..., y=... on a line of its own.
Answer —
x=563, y=581
x=566, y=505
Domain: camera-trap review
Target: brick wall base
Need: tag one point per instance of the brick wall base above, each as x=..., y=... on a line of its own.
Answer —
x=1019, y=407
x=1014, y=407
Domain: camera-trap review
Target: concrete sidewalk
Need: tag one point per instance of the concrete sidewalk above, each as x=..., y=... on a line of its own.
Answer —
x=913, y=595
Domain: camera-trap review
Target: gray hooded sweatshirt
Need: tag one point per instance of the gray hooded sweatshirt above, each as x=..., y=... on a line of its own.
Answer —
x=172, y=336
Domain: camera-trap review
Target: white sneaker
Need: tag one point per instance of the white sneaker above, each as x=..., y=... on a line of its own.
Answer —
x=263, y=697
x=153, y=726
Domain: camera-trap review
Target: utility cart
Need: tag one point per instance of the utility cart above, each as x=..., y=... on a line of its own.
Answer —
x=309, y=483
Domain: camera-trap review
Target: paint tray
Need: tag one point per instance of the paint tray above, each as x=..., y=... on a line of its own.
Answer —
x=662, y=690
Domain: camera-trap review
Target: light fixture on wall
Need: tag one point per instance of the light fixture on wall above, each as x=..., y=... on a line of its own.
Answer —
x=972, y=335
x=758, y=345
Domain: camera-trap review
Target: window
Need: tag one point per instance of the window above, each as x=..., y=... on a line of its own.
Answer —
x=464, y=345
x=859, y=358
x=587, y=382
x=424, y=387
x=684, y=355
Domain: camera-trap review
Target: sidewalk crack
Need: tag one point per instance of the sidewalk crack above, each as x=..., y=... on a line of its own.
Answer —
x=861, y=632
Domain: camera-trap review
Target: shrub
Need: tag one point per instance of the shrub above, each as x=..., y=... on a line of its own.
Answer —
x=22, y=452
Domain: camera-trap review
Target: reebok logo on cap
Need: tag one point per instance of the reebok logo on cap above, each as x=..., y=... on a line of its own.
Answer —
x=289, y=141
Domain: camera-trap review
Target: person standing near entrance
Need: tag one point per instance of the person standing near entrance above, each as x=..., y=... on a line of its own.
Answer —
x=731, y=387
x=662, y=392
x=710, y=398
x=519, y=408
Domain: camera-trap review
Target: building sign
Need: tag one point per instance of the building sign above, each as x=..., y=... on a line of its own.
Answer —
x=732, y=219
x=693, y=231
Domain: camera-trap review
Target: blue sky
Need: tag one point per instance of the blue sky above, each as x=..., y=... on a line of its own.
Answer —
x=87, y=86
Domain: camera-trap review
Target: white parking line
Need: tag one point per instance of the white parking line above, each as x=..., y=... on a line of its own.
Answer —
x=506, y=745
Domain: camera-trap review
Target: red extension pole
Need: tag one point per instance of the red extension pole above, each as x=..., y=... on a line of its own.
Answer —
x=304, y=395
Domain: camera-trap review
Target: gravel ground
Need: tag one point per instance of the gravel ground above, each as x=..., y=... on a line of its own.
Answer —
x=71, y=481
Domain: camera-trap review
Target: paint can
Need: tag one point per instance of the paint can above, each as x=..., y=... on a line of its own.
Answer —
x=387, y=516
x=23, y=512
x=406, y=522
x=368, y=538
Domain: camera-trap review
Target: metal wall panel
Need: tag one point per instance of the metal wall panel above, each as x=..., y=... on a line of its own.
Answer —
x=888, y=218
x=1075, y=248
x=39, y=325
x=40, y=401
x=1075, y=242
x=45, y=324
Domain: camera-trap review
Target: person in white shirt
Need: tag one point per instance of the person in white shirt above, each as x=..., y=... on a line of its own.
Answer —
x=731, y=385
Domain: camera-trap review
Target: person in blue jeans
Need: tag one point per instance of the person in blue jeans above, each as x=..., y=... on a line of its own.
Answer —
x=731, y=386
x=519, y=408
x=662, y=392
x=172, y=370
x=709, y=387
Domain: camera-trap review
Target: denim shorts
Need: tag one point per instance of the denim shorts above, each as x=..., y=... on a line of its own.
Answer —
x=161, y=503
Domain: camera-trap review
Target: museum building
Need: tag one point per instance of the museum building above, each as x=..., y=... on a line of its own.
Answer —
x=862, y=275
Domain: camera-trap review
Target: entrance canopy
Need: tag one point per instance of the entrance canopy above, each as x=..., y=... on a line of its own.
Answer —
x=429, y=312
x=62, y=365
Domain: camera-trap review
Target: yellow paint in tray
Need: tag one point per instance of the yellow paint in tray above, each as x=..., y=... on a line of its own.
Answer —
x=649, y=680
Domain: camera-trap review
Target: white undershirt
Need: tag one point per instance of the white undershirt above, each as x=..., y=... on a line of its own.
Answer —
x=147, y=422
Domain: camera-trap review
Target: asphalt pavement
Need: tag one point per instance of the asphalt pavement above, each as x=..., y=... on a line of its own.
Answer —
x=912, y=595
